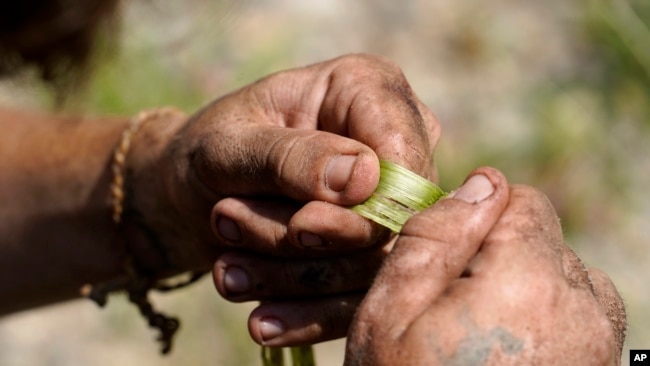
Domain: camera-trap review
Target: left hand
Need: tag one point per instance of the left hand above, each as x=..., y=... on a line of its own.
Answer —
x=265, y=173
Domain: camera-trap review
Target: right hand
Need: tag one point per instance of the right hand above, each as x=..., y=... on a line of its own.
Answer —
x=484, y=278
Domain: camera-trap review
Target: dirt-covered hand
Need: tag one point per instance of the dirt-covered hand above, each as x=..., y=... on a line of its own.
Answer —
x=270, y=168
x=484, y=278
x=262, y=179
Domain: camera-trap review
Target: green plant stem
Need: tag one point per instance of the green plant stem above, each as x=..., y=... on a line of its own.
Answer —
x=300, y=356
x=272, y=356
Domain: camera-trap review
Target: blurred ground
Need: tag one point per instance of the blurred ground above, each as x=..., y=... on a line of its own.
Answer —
x=556, y=94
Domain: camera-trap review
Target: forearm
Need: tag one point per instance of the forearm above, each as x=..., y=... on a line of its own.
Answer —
x=56, y=231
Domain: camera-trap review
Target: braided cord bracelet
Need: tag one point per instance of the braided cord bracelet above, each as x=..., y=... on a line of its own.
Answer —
x=135, y=283
x=118, y=165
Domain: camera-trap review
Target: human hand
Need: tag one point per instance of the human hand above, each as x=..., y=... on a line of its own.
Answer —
x=484, y=278
x=266, y=172
x=281, y=156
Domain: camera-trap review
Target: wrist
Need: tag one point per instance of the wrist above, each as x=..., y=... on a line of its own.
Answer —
x=160, y=207
x=138, y=192
x=139, y=188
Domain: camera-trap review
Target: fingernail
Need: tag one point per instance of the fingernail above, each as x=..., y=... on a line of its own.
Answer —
x=228, y=229
x=338, y=172
x=236, y=280
x=476, y=189
x=270, y=328
x=310, y=240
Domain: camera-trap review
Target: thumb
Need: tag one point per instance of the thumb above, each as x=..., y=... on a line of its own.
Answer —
x=302, y=164
x=433, y=249
x=317, y=165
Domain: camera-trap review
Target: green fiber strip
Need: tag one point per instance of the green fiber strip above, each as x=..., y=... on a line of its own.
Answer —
x=399, y=195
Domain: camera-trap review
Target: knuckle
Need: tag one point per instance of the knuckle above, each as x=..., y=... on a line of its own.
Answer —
x=371, y=67
x=532, y=213
x=279, y=155
x=288, y=155
x=574, y=270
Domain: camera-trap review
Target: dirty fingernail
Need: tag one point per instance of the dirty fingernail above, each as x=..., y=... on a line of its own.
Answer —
x=228, y=229
x=476, y=189
x=338, y=172
x=270, y=328
x=310, y=240
x=236, y=280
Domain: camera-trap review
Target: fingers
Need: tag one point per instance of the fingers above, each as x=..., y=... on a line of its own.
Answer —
x=284, y=228
x=258, y=225
x=304, y=322
x=262, y=141
x=305, y=301
x=241, y=277
x=433, y=249
x=297, y=170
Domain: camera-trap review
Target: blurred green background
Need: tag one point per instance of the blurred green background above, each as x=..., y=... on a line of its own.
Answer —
x=556, y=94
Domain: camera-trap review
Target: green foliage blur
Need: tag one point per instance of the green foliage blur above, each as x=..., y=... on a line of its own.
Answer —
x=591, y=124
